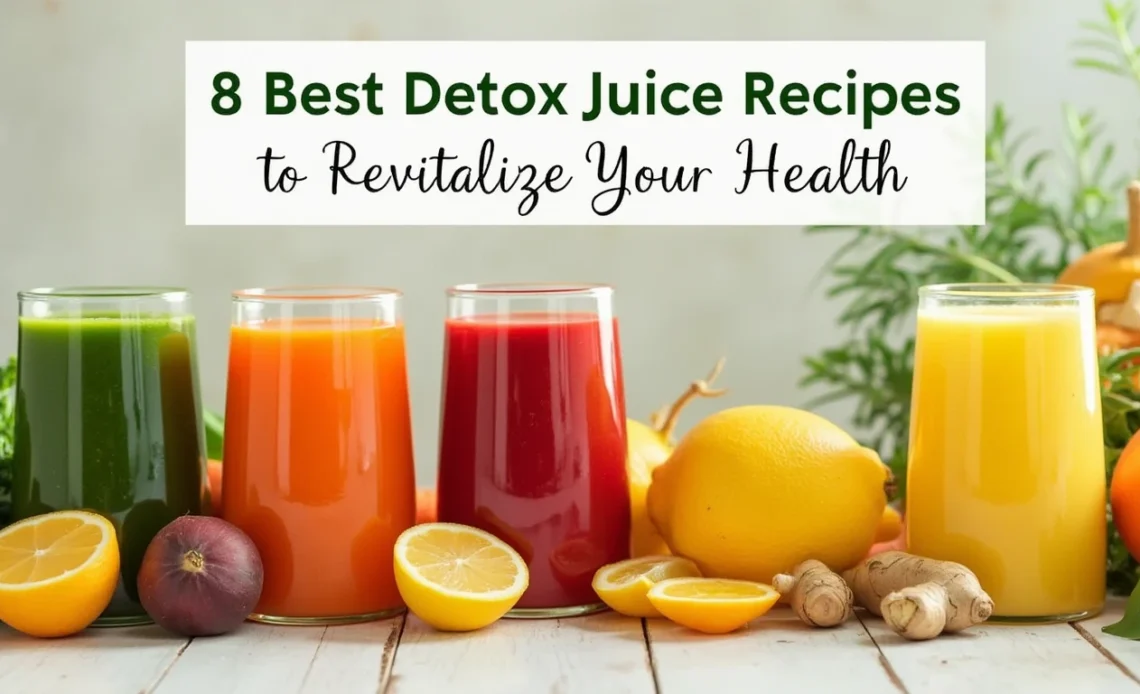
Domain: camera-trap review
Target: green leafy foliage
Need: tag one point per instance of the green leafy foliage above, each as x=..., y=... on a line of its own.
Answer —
x=7, y=429
x=1030, y=236
x=879, y=270
x=1120, y=402
x=1129, y=625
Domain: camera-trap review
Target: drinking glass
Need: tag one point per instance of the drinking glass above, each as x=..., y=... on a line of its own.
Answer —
x=318, y=466
x=1006, y=466
x=108, y=416
x=533, y=440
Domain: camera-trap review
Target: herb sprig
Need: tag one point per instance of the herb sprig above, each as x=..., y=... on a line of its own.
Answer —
x=1030, y=237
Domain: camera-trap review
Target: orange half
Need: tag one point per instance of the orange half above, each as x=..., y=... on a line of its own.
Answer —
x=712, y=605
x=58, y=572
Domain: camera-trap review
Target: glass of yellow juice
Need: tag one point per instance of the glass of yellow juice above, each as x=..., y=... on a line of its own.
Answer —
x=1006, y=461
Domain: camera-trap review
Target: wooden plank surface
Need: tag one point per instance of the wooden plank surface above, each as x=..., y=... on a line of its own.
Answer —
x=97, y=661
x=1045, y=659
x=775, y=653
x=1123, y=652
x=258, y=659
x=598, y=654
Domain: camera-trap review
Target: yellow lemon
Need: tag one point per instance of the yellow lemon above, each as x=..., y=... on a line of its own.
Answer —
x=457, y=578
x=752, y=491
x=58, y=572
x=712, y=605
x=624, y=585
x=890, y=526
x=649, y=445
x=647, y=449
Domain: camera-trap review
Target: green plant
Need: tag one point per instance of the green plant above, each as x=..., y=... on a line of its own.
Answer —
x=1120, y=402
x=1030, y=236
x=7, y=429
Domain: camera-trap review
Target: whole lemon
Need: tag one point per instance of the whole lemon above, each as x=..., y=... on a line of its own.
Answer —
x=649, y=445
x=752, y=491
x=648, y=449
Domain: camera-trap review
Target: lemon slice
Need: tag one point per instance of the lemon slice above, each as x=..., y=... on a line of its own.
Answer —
x=624, y=585
x=58, y=572
x=712, y=605
x=457, y=578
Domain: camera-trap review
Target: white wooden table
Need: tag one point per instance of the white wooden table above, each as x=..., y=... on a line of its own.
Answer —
x=596, y=655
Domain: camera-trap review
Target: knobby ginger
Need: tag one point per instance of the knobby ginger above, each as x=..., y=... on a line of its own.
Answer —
x=819, y=596
x=917, y=597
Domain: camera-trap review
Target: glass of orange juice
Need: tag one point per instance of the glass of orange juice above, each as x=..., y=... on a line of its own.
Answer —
x=1006, y=468
x=317, y=466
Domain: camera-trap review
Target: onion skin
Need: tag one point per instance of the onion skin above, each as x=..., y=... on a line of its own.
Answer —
x=200, y=576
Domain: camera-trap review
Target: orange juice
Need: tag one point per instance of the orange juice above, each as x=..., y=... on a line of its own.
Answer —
x=318, y=463
x=1006, y=469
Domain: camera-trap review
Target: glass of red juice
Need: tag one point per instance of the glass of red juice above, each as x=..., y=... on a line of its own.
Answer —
x=532, y=433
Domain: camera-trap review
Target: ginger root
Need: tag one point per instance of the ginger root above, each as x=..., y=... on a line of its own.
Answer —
x=819, y=596
x=919, y=598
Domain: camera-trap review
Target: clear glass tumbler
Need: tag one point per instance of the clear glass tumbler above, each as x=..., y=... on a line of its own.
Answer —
x=108, y=416
x=533, y=440
x=318, y=466
x=1006, y=466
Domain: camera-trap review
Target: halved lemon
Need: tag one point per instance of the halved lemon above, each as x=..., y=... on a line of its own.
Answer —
x=624, y=585
x=457, y=578
x=58, y=572
x=712, y=605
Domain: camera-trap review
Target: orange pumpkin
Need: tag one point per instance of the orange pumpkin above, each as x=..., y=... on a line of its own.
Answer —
x=1112, y=268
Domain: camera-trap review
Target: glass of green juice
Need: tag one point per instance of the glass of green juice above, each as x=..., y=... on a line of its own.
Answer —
x=109, y=416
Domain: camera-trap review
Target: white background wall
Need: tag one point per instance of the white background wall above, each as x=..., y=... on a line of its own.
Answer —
x=91, y=157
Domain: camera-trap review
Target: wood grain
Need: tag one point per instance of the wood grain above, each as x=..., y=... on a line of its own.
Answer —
x=259, y=659
x=1124, y=652
x=775, y=653
x=1045, y=659
x=600, y=654
x=96, y=661
x=597, y=654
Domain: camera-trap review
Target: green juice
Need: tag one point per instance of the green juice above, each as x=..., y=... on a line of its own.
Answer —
x=108, y=419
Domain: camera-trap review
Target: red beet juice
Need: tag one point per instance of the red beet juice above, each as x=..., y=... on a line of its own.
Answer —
x=533, y=446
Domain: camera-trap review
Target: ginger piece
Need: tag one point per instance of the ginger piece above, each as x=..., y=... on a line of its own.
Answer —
x=919, y=598
x=917, y=612
x=819, y=596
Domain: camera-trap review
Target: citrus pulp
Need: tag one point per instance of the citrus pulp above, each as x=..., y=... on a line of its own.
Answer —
x=457, y=578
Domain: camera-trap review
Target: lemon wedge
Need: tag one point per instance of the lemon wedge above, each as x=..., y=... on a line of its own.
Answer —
x=712, y=605
x=457, y=578
x=58, y=572
x=624, y=585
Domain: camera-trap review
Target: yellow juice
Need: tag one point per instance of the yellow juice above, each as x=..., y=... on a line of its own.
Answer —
x=1006, y=468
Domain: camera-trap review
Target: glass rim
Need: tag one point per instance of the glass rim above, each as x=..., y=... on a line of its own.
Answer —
x=316, y=293
x=105, y=293
x=530, y=289
x=997, y=291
